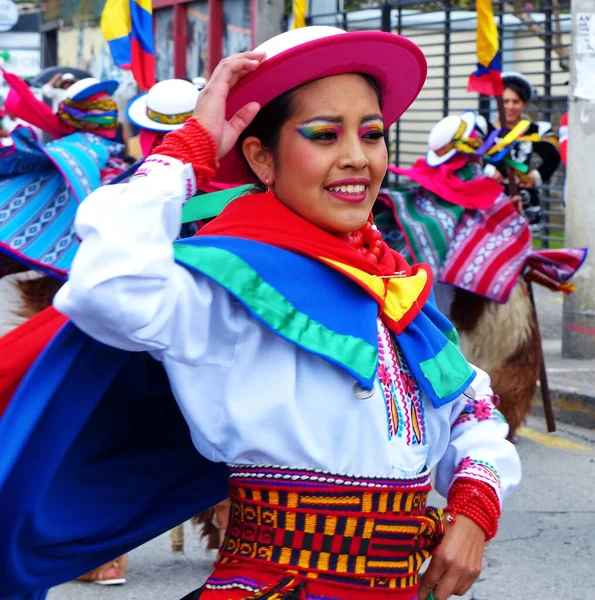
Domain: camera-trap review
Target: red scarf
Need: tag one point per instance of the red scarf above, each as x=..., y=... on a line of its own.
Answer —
x=263, y=218
x=477, y=194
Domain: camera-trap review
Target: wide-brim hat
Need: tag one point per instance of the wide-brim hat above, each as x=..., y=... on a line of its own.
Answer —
x=85, y=88
x=309, y=53
x=165, y=107
x=199, y=82
x=446, y=131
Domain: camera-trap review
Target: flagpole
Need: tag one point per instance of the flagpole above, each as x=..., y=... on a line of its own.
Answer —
x=513, y=191
x=488, y=80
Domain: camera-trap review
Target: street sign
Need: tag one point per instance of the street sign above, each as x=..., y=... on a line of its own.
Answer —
x=9, y=15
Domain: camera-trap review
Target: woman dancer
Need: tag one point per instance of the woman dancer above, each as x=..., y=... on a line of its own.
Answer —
x=300, y=349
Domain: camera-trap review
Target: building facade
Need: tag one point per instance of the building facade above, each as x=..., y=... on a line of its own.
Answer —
x=20, y=46
x=190, y=36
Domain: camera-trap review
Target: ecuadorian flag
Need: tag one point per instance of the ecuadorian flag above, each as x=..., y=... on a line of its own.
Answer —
x=488, y=77
x=127, y=25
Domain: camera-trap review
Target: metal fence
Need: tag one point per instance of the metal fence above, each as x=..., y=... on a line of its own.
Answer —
x=534, y=40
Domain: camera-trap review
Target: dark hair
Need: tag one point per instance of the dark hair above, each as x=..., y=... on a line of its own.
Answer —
x=269, y=121
x=519, y=85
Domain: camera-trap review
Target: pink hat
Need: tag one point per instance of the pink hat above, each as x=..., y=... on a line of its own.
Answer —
x=302, y=55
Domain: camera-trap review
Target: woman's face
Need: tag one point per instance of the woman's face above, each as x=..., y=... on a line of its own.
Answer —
x=513, y=106
x=332, y=156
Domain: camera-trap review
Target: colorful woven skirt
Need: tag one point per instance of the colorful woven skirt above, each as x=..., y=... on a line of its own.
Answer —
x=314, y=535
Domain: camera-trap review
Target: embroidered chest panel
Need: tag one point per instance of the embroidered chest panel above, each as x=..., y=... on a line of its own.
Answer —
x=402, y=394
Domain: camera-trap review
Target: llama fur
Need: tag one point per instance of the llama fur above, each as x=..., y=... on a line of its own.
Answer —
x=503, y=340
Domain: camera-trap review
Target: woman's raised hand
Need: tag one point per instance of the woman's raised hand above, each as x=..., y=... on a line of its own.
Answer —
x=210, y=108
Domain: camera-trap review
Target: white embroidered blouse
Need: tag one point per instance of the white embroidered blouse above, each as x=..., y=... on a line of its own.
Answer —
x=248, y=395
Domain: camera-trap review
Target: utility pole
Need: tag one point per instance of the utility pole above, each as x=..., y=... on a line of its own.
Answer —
x=268, y=19
x=578, y=330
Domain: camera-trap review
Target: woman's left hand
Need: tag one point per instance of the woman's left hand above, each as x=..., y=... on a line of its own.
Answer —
x=456, y=563
x=528, y=182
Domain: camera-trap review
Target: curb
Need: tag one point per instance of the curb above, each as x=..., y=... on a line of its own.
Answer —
x=569, y=407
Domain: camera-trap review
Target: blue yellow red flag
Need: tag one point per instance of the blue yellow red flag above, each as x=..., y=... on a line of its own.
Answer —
x=487, y=79
x=127, y=25
x=300, y=8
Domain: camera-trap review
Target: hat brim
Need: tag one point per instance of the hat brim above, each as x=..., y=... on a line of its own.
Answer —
x=395, y=62
x=137, y=114
x=107, y=87
x=433, y=160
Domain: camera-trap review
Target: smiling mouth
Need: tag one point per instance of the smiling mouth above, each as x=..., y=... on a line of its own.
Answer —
x=356, y=189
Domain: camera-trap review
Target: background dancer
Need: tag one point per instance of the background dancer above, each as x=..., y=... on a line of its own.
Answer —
x=517, y=93
x=55, y=90
x=454, y=220
x=38, y=185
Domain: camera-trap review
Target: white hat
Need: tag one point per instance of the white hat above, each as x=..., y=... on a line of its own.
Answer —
x=199, y=82
x=67, y=77
x=85, y=88
x=481, y=127
x=448, y=130
x=165, y=107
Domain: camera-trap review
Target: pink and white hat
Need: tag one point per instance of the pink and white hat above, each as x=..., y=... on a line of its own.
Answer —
x=308, y=53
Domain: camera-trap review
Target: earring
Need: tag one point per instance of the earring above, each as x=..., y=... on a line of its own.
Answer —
x=269, y=188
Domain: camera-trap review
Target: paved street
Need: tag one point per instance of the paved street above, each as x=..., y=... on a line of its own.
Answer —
x=545, y=548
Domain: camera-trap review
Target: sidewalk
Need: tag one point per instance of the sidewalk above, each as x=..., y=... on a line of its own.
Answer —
x=571, y=382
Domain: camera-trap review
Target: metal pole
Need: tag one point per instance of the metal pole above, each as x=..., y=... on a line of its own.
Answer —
x=578, y=328
x=546, y=199
x=546, y=396
x=398, y=125
x=445, y=103
x=268, y=20
x=386, y=25
x=385, y=19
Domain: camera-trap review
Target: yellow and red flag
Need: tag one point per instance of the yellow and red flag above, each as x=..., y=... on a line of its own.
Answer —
x=488, y=77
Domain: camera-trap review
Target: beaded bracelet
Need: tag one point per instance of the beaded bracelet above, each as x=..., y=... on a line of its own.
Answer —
x=477, y=501
x=192, y=144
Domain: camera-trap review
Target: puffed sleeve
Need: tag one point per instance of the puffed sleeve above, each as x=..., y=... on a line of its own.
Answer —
x=478, y=448
x=124, y=288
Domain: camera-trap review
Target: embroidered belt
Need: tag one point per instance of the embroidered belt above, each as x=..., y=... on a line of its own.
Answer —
x=370, y=532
